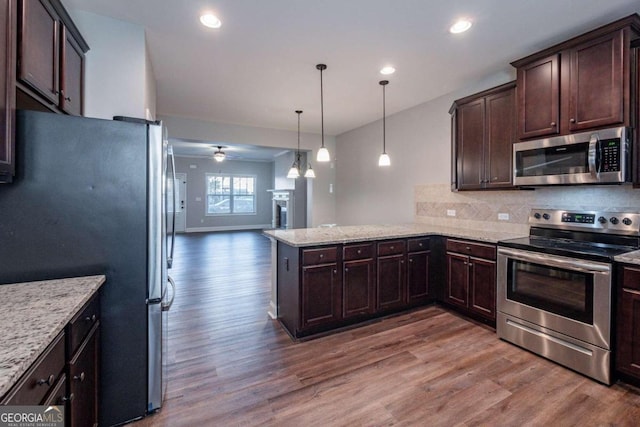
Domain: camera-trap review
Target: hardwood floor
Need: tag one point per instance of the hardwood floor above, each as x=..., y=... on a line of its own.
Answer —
x=231, y=365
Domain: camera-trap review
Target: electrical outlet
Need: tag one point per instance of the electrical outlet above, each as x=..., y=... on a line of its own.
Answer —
x=451, y=212
x=198, y=199
x=503, y=216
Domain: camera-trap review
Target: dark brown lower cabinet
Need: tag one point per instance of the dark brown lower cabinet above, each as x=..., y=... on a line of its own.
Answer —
x=471, y=278
x=628, y=323
x=83, y=381
x=327, y=287
x=320, y=295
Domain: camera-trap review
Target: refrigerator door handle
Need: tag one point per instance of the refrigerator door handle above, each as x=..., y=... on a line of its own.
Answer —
x=173, y=213
x=166, y=306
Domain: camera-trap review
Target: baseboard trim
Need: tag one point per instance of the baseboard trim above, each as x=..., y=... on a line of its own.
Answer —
x=227, y=228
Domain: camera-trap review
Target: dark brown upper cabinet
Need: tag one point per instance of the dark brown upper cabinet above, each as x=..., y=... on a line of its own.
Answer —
x=50, y=57
x=7, y=89
x=483, y=131
x=581, y=84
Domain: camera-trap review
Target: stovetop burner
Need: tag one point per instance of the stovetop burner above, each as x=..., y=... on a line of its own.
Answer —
x=593, y=235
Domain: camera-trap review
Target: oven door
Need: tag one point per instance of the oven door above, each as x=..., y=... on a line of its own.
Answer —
x=567, y=295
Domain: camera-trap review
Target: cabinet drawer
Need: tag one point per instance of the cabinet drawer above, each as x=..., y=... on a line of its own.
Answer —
x=41, y=378
x=319, y=256
x=358, y=252
x=82, y=322
x=58, y=394
x=631, y=278
x=472, y=249
x=393, y=247
x=416, y=245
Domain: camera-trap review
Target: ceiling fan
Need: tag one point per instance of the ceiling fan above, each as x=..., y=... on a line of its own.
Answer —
x=219, y=155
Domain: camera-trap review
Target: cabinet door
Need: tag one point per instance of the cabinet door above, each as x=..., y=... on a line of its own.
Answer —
x=482, y=287
x=597, y=83
x=83, y=382
x=38, y=54
x=320, y=295
x=538, y=98
x=7, y=89
x=501, y=134
x=418, y=277
x=71, y=81
x=391, y=282
x=358, y=287
x=470, y=145
x=628, y=360
x=457, y=279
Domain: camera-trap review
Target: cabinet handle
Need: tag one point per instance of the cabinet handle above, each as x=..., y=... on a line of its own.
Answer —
x=402, y=262
x=79, y=377
x=465, y=263
x=91, y=318
x=321, y=256
x=68, y=99
x=48, y=381
x=470, y=264
x=359, y=251
x=335, y=271
x=68, y=399
x=411, y=260
x=346, y=269
x=572, y=120
x=468, y=248
x=553, y=124
x=420, y=244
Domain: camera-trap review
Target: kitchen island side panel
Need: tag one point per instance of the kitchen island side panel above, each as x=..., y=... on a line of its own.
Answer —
x=288, y=270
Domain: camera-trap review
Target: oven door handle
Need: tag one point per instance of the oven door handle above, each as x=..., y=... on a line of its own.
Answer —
x=576, y=265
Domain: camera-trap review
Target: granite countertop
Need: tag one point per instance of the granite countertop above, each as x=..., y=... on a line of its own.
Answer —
x=345, y=234
x=629, y=258
x=32, y=315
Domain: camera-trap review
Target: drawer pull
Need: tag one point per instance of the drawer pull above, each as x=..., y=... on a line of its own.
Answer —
x=420, y=244
x=79, y=377
x=468, y=248
x=321, y=255
x=359, y=251
x=392, y=247
x=48, y=381
x=68, y=399
x=91, y=318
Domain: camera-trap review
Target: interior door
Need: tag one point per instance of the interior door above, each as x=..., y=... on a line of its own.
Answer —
x=180, y=188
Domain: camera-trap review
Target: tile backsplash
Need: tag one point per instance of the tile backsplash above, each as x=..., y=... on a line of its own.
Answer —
x=435, y=204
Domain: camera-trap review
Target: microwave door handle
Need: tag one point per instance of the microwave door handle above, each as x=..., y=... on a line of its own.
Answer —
x=593, y=156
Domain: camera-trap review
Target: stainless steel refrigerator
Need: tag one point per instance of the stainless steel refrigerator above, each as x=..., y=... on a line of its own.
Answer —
x=90, y=197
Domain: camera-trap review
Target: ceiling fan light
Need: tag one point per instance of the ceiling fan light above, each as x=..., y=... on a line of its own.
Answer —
x=384, y=160
x=323, y=155
x=219, y=156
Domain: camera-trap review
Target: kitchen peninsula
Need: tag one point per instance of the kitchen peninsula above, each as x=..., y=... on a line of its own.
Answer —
x=331, y=277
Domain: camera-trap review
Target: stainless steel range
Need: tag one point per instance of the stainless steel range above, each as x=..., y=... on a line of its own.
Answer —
x=555, y=286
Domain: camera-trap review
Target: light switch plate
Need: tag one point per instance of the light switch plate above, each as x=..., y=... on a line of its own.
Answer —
x=503, y=216
x=451, y=212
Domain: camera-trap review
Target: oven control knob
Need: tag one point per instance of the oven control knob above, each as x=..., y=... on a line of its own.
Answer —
x=627, y=221
x=602, y=220
x=614, y=220
x=546, y=216
x=537, y=215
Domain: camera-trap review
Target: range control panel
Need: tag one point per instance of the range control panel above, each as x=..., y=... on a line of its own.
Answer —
x=594, y=221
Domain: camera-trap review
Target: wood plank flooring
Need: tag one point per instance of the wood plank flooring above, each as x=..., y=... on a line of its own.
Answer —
x=231, y=365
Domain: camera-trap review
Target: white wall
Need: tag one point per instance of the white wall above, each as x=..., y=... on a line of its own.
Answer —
x=418, y=142
x=320, y=202
x=119, y=77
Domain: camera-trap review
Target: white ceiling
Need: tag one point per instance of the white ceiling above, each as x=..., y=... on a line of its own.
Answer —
x=260, y=65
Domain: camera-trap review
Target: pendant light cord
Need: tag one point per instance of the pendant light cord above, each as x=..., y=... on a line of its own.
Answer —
x=321, y=67
x=384, y=83
x=298, y=112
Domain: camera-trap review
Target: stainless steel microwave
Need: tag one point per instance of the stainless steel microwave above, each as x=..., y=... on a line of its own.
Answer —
x=598, y=157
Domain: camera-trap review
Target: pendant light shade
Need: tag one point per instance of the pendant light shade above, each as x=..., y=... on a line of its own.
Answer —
x=384, y=159
x=295, y=172
x=323, y=153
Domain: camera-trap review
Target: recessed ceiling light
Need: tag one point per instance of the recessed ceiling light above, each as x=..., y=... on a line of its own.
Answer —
x=210, y=20
x=460, y=26
x=387, y=70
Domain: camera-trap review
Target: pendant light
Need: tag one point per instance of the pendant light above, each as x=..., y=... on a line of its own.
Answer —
x=294, y=172
x=384, y=159
x=323, y=153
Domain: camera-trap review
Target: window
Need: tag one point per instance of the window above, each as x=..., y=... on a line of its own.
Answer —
x=231, y=194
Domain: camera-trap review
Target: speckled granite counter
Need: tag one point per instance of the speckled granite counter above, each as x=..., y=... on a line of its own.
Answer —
x=629, y=258
x=32, y=315
x=358, y=233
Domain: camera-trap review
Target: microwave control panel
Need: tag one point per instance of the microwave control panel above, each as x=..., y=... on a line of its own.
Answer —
x=610, y=152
